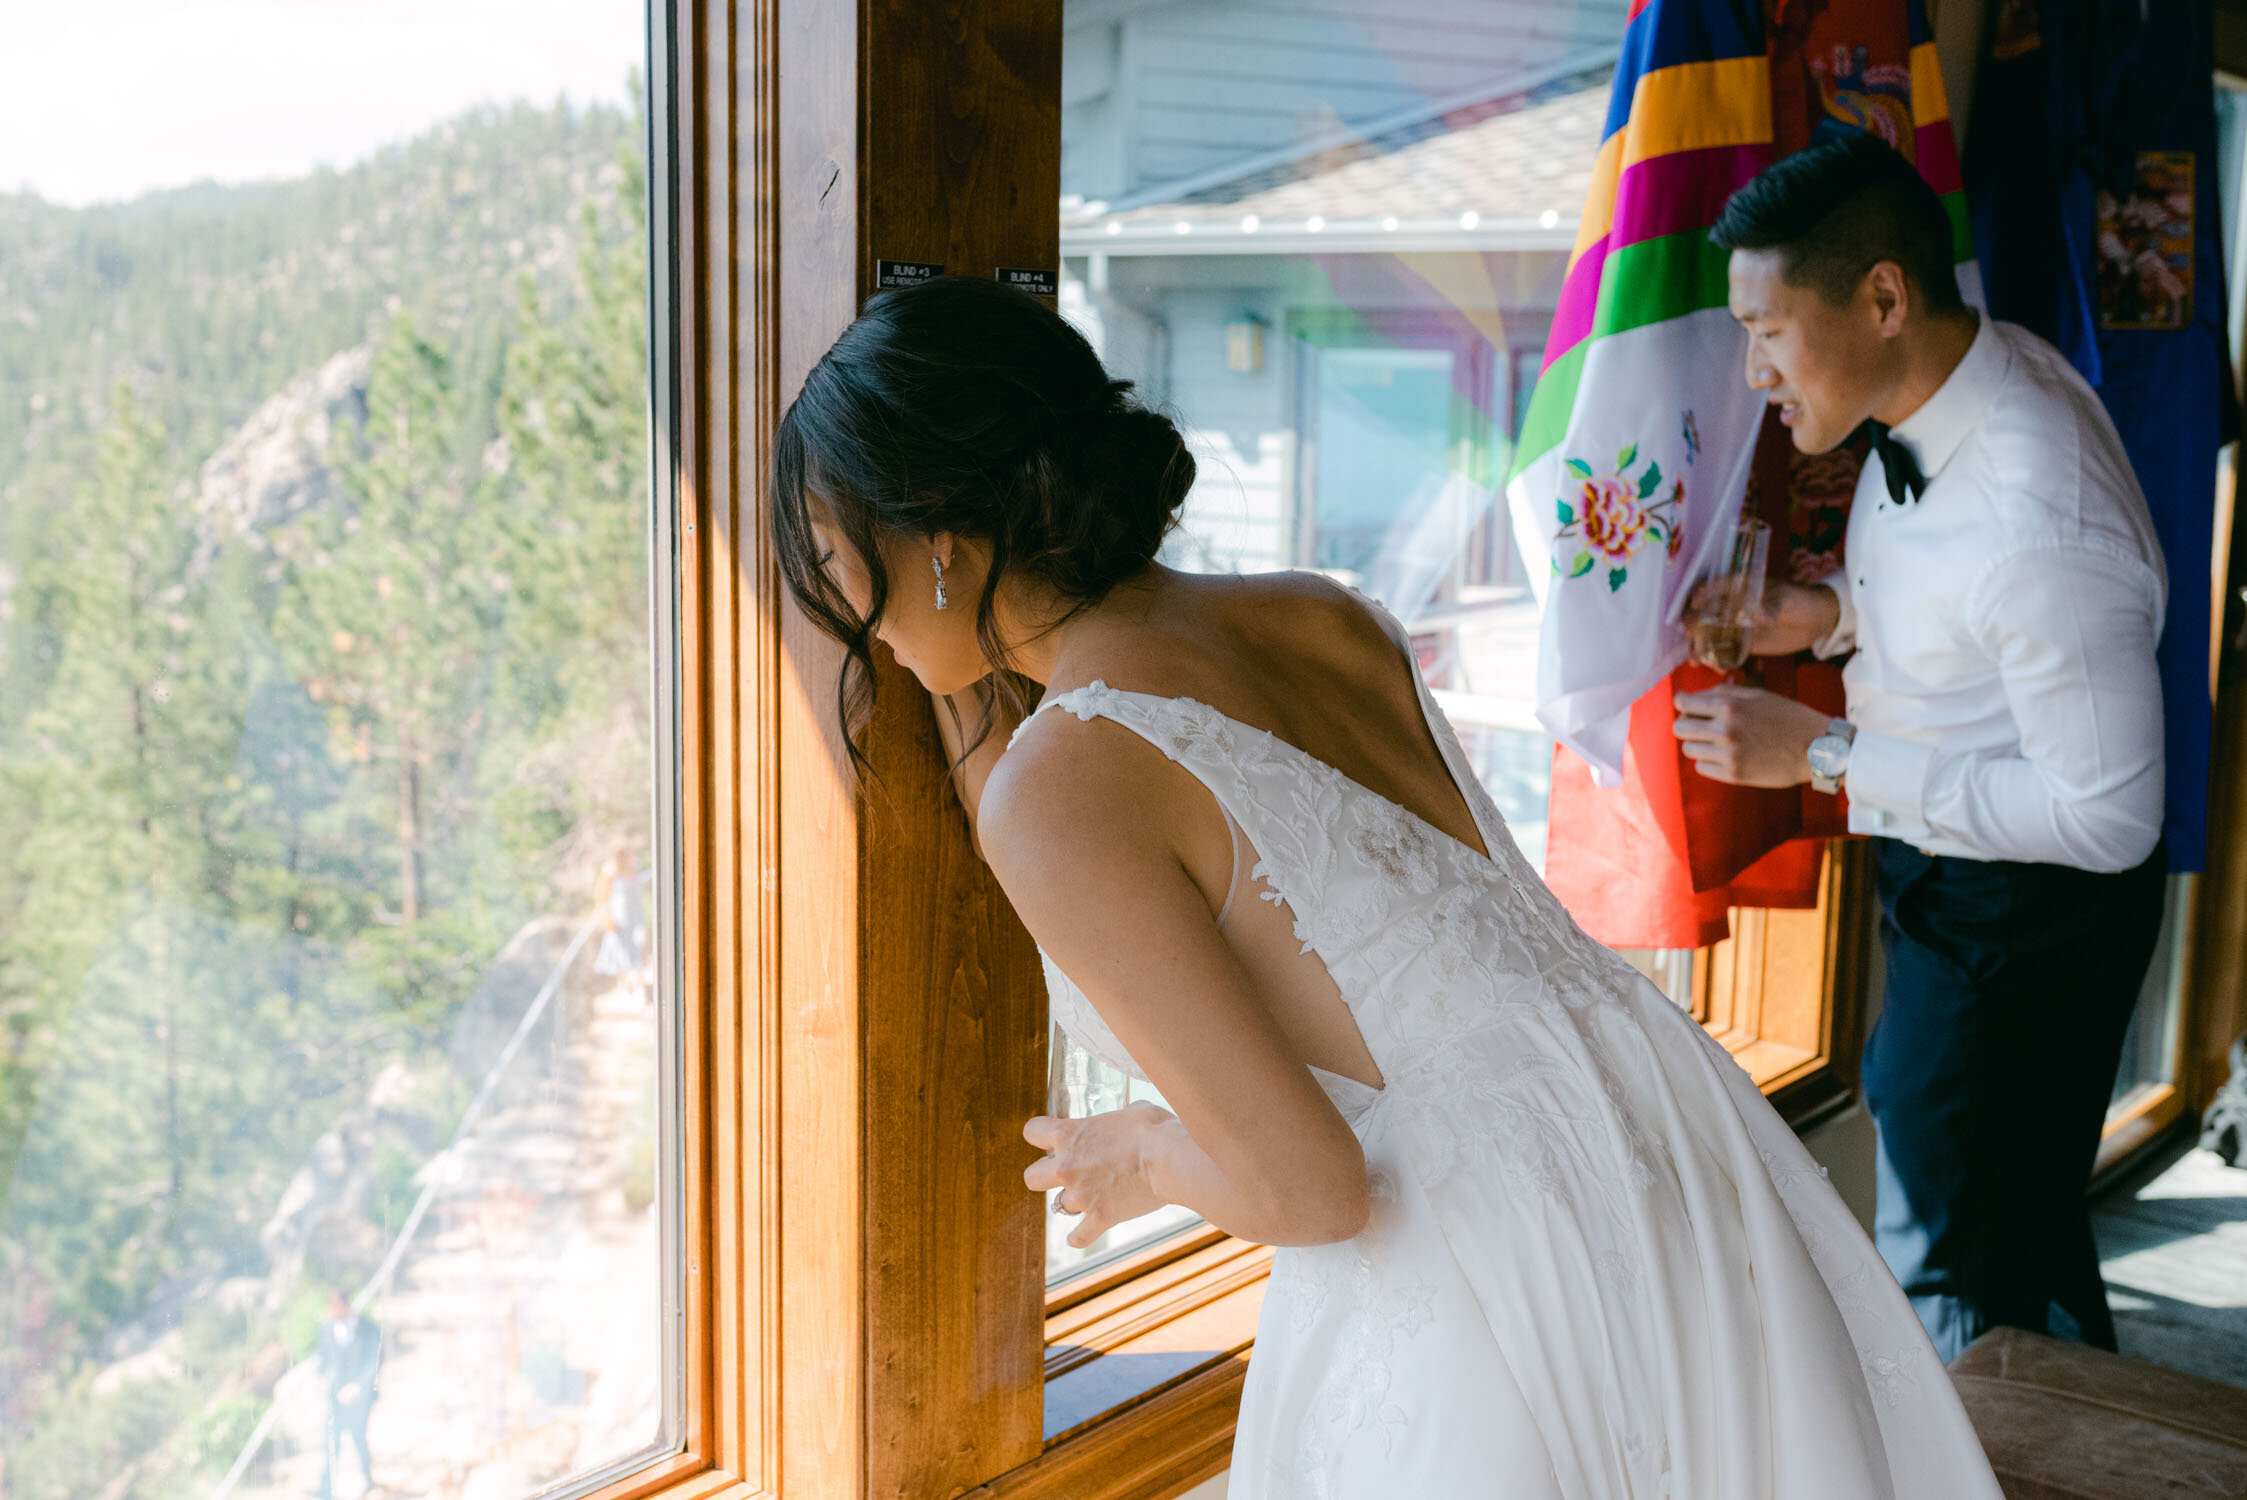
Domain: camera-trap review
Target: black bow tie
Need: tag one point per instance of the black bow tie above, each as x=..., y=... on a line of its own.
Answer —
x=1898, y=467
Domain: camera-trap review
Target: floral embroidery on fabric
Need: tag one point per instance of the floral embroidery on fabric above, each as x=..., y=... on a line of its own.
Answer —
x=1612, y=516
x=1304, y=1278
x=1094, y=700
x=1366, y=1365
x=1873, y=97
x=1352, y=1397
x=1188, y=728
x=1786, y=1173
x=1397, y=844
x=1888, y=1375
x=1819, y=487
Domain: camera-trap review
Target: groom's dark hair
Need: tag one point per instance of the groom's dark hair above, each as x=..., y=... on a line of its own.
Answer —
x=1837, y=209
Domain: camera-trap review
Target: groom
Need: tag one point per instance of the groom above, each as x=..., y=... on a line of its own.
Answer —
x=2002, y=593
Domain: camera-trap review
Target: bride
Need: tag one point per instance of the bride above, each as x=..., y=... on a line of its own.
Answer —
x=1544, y=1238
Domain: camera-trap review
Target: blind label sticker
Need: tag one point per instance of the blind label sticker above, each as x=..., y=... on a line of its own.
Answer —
x=1044, y=283
x=888, y=273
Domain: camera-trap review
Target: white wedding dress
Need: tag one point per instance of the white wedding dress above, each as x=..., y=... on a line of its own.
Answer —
x=1599, y=1266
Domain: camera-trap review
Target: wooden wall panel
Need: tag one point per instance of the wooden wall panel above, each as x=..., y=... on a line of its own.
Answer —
x=815, y=1003
x=960, y=164
x=908, y=1005
x=2216, y=967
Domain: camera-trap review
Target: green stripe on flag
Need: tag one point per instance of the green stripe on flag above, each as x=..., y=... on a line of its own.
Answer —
x=1962, y=233
x=1652, y=281
x=1549, y=406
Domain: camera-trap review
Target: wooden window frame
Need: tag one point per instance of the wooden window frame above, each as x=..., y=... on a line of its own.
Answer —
x=863, y=1023
x=2215, y=978
x=1786, y=992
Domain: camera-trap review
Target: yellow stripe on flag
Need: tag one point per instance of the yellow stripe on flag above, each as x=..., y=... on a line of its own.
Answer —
x=1929, y=102
x=1599, y=201
x=1699, y=105
x=1691, y=107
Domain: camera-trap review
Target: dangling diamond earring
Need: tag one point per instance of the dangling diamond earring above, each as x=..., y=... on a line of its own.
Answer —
x=938, y=563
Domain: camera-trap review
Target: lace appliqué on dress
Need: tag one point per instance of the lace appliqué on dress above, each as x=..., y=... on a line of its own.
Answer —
x=1388, y=1304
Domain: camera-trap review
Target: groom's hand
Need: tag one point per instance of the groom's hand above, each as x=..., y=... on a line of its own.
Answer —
x=1747, y=736
x=1793, y=617
x=1100, y=1165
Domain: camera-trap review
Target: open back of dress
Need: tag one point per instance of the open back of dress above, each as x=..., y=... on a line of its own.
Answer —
x=1600, y=1266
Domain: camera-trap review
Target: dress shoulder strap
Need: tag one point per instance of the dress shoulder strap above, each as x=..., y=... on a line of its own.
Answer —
x=1086, y=702
x=1489, y=822
x=1028, y=719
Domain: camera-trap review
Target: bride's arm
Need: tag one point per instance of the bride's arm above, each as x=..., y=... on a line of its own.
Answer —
x=1080, y=830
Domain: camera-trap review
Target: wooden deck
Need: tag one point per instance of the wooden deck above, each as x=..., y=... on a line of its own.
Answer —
x=2173, y=1244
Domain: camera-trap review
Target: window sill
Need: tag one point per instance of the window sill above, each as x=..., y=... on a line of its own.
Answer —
x=2136, y=1122
x=1152, y=1331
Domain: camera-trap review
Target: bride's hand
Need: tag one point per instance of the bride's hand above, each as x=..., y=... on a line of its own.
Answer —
x=1101, y=1164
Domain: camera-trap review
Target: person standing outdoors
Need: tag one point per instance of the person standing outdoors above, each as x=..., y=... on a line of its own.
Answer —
x=350, y=1359
x=2002, y=593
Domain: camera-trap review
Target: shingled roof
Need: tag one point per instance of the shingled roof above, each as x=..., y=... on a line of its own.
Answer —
x=1505, y=173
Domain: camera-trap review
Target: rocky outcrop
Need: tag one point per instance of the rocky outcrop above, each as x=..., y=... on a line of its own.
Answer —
x=275, y=465
x=324, y=1225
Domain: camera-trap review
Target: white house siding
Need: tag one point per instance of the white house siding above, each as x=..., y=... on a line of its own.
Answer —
x=1237, y=516
x=1158, y=92
x=1160, y=322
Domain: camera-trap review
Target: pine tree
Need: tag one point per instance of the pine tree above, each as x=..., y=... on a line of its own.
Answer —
x=120, y=816
x=389, y=604
x=266, y=812
x=573, y=417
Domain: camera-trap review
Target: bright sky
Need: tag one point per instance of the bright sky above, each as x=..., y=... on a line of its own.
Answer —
x=104, y=101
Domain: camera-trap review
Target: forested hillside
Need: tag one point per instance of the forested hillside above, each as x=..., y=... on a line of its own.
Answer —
x=323, y=675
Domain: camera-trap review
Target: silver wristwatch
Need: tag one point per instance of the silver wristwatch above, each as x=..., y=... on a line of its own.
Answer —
x=1829, y=755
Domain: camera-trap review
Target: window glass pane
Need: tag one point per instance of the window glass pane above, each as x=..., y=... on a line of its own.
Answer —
x=1381, y=420
x=2149, y=1047
x=1083, y=1085
x=1329, y=240
x=332, y=1121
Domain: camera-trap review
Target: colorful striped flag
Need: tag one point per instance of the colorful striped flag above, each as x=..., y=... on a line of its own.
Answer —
x=1636, y=449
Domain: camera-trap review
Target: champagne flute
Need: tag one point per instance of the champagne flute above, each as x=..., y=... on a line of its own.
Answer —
x=1721, y=628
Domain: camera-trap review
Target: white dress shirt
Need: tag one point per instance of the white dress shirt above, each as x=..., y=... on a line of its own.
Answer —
x=2003, y=687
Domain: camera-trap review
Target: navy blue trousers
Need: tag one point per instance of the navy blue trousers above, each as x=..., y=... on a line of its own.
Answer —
x=2010, y=988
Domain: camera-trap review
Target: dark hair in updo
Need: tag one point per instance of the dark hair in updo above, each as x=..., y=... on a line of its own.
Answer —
x=965, y=406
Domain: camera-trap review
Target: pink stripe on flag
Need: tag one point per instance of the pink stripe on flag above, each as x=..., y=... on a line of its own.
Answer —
x=1664, y=195
x=1684, y=190
x=1937, y=153
x=1579, y=299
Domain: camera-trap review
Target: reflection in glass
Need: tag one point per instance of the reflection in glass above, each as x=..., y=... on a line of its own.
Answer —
x=2149, y=1045
x=1081, y=1085
x=331, y=1116
x=1330, y=241
x=1381, y=420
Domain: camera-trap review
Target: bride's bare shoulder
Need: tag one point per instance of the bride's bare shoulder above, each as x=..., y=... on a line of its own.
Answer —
x=1070, y=786
x=1302, y=615
x=1311, y=591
